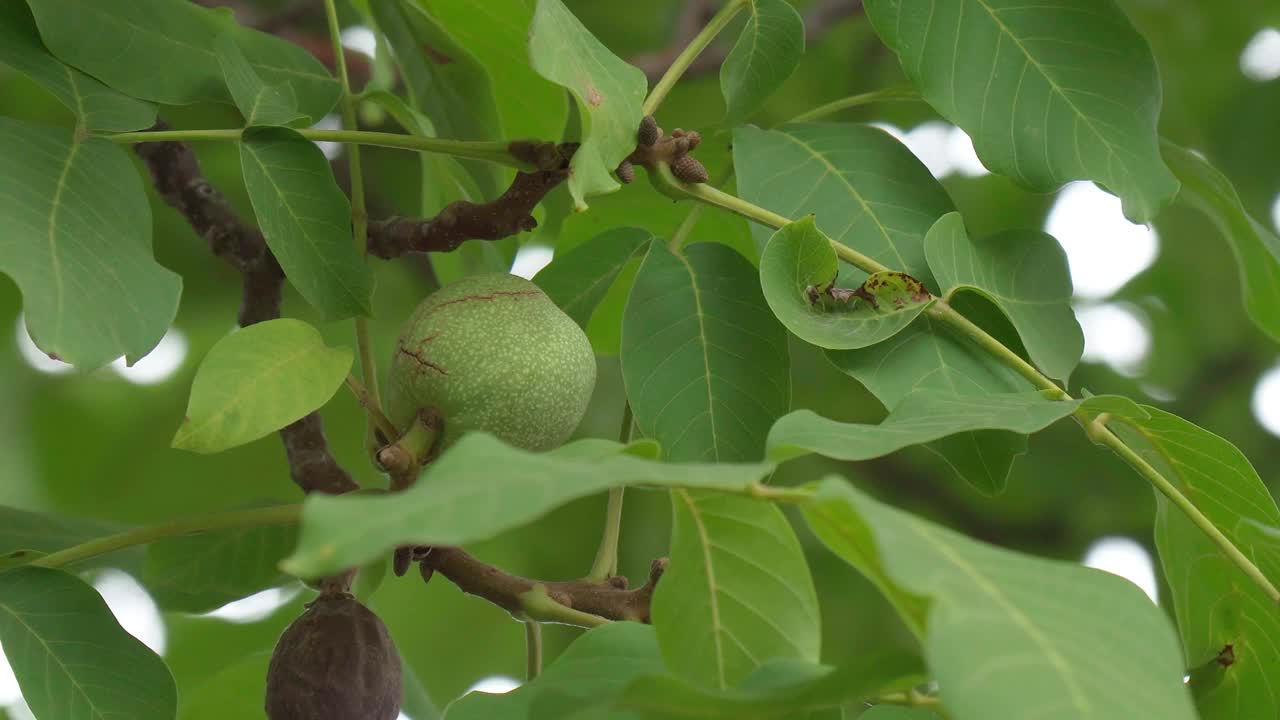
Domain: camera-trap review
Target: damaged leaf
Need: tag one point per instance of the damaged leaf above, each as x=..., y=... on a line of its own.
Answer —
x=798, y=272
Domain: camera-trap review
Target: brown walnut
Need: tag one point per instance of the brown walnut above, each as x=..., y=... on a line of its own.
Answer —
x=335, y=662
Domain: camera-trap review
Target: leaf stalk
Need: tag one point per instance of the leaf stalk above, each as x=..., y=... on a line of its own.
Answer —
x=494, y=151
x=224, y=520
x=948, y=315
x=359, y=231
x=690, y=53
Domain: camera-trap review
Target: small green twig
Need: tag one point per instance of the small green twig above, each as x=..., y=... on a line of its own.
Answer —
x=690, y=53
x=412, y=450
x=902, y=94
x=914, y=698
x=702, y=192
x=494, y=151
x=384, y=424
x=1175, y=496
x=683, y=230
x=909, y=698
x=538, y=605
x=532, y=649
x=778, y=494
x=255, y=517
x=360, y=232
x=606, y=562
x=946, y=314
x=943, y=312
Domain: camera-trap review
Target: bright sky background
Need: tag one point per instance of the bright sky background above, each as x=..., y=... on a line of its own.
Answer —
x=1260, y=59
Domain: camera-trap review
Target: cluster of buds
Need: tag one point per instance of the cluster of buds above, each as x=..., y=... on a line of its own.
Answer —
x=652, y=146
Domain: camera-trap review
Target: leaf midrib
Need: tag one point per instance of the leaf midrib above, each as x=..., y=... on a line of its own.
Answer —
x=298, y=225
x=54, y=203
x=853, y=191
x=705, y=344
x=1031, y=60
x=237, y=398
x=713, y=597
x=1050, y=651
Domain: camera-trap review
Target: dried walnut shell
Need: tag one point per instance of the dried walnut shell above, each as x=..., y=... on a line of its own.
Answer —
x=335, y=662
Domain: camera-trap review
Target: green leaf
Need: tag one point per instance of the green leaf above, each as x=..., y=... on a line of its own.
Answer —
x=259, y=103
x=777, y=690
x=704, y=361
x=306, y=220
x=578, y=280
x=203, y=572
x=1215, y=604
x=1224, y=617
x=870, y=193
x=1054, y=640
x=866, y=189
x=72, y=659
x=259, y=379
x=929, y=355
x=497, y=32
x=417, y=704
x=480, y=488
x=444, y=82
x=1257, y=249
x=96, y=106
x=77, y=241
x=235, y=689
x=894, y=712
x=922, y=417
x=165, y=51
x=605, y=328
x=1024, y=272
x=1049, y=92
x=798, y=274
x=737, y=592
x=1212, y=473
x=767, y=52
x=586, y=676
x=42, y=533
x=369, y=578
x=701, y=359
x=609, y=93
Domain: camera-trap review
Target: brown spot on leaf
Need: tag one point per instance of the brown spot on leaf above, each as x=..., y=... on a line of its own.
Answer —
x=594, y=98
x=894, y=287
x=436, y=55
x=1226, y=656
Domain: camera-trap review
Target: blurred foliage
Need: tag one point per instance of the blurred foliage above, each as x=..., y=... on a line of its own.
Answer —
x=95, y=446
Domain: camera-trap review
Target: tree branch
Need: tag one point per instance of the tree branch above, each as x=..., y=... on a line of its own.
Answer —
x=177, y=177
x=608, y=600
x=509, y=214
x=817, y=21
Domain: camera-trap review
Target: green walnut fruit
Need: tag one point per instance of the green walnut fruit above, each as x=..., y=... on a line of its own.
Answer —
x=493, y=353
